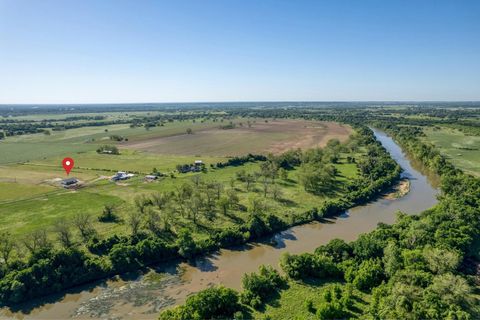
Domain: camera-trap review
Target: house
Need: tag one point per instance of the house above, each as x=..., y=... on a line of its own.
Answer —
x=198, y=163
x=122, y=175
x=69, y=182
x=184, y=168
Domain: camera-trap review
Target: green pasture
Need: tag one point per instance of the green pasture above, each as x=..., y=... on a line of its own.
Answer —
x=24, y=216
x=28, y=203
x=127, y=161
x=30, y=167
x=16, y=191
x=461, y=149
x=291, y=303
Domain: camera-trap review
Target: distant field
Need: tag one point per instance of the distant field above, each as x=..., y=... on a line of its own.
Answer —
x=274, y=136
x=76, y=141
x=462, y=150
x=171, y=139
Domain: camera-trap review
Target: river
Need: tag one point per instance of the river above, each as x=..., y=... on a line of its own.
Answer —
x=142, y=296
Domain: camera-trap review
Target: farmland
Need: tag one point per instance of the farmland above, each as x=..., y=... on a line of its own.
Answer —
x=404, y=270
x=274, y=136
x=218, y=180
x=30, y=165
x=223, y=178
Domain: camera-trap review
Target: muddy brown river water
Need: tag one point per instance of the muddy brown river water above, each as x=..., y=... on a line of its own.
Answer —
x=142, y=296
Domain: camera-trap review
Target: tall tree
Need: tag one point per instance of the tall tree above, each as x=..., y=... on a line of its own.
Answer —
x=36, y=240
x=152, y=221
x=84, y=224
x=134, y=221
x=64, y=234
x=7, y=245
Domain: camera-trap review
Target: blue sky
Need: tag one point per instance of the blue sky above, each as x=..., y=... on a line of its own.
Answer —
x=90, y=51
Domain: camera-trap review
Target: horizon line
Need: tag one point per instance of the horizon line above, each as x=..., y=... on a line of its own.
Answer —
x=238, y=101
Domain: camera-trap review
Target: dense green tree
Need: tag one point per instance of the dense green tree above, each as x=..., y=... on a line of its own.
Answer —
x=441, y=261
x=392, y=260
x=212, y=303
x=7, y=244
x=308, y=265
x=336, y=249
x=317, y=178
x=367, y=275
x=186, y=245
x=259, y=286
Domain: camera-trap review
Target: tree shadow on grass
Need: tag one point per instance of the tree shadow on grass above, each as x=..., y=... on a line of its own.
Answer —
x=234, y=218
x=287, y=202
x=287, y=182
x=273, y=300
x=199, y=226
x=316, y=282
x=166, y=235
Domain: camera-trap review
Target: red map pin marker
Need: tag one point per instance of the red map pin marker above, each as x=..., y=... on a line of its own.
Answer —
x=67, y=164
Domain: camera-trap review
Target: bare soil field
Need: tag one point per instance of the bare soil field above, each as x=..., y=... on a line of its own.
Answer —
x=274, y=136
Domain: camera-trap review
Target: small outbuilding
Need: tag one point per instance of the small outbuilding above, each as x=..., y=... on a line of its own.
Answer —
x=150, y=178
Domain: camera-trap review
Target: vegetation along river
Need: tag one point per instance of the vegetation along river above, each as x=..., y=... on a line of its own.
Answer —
x=142, y=296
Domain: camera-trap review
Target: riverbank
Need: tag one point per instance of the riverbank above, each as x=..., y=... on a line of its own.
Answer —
x=399, y=190
x=362, y=278
x=134, y=297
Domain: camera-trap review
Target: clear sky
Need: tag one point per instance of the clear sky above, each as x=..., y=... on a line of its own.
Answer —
x=89, y=51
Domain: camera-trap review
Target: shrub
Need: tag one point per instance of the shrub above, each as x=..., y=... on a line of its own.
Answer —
x=261, y=285
x=309, y=265
x=212, y=303
x=108, y=214
x=186, y=246
x=331, y=310
x=107, y=149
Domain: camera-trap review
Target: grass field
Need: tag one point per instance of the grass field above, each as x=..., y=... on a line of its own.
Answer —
x=171, y=139
x=76, y=141
x=27, y=204
x=30, y=164
x=462, y=150
x=290, y=303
